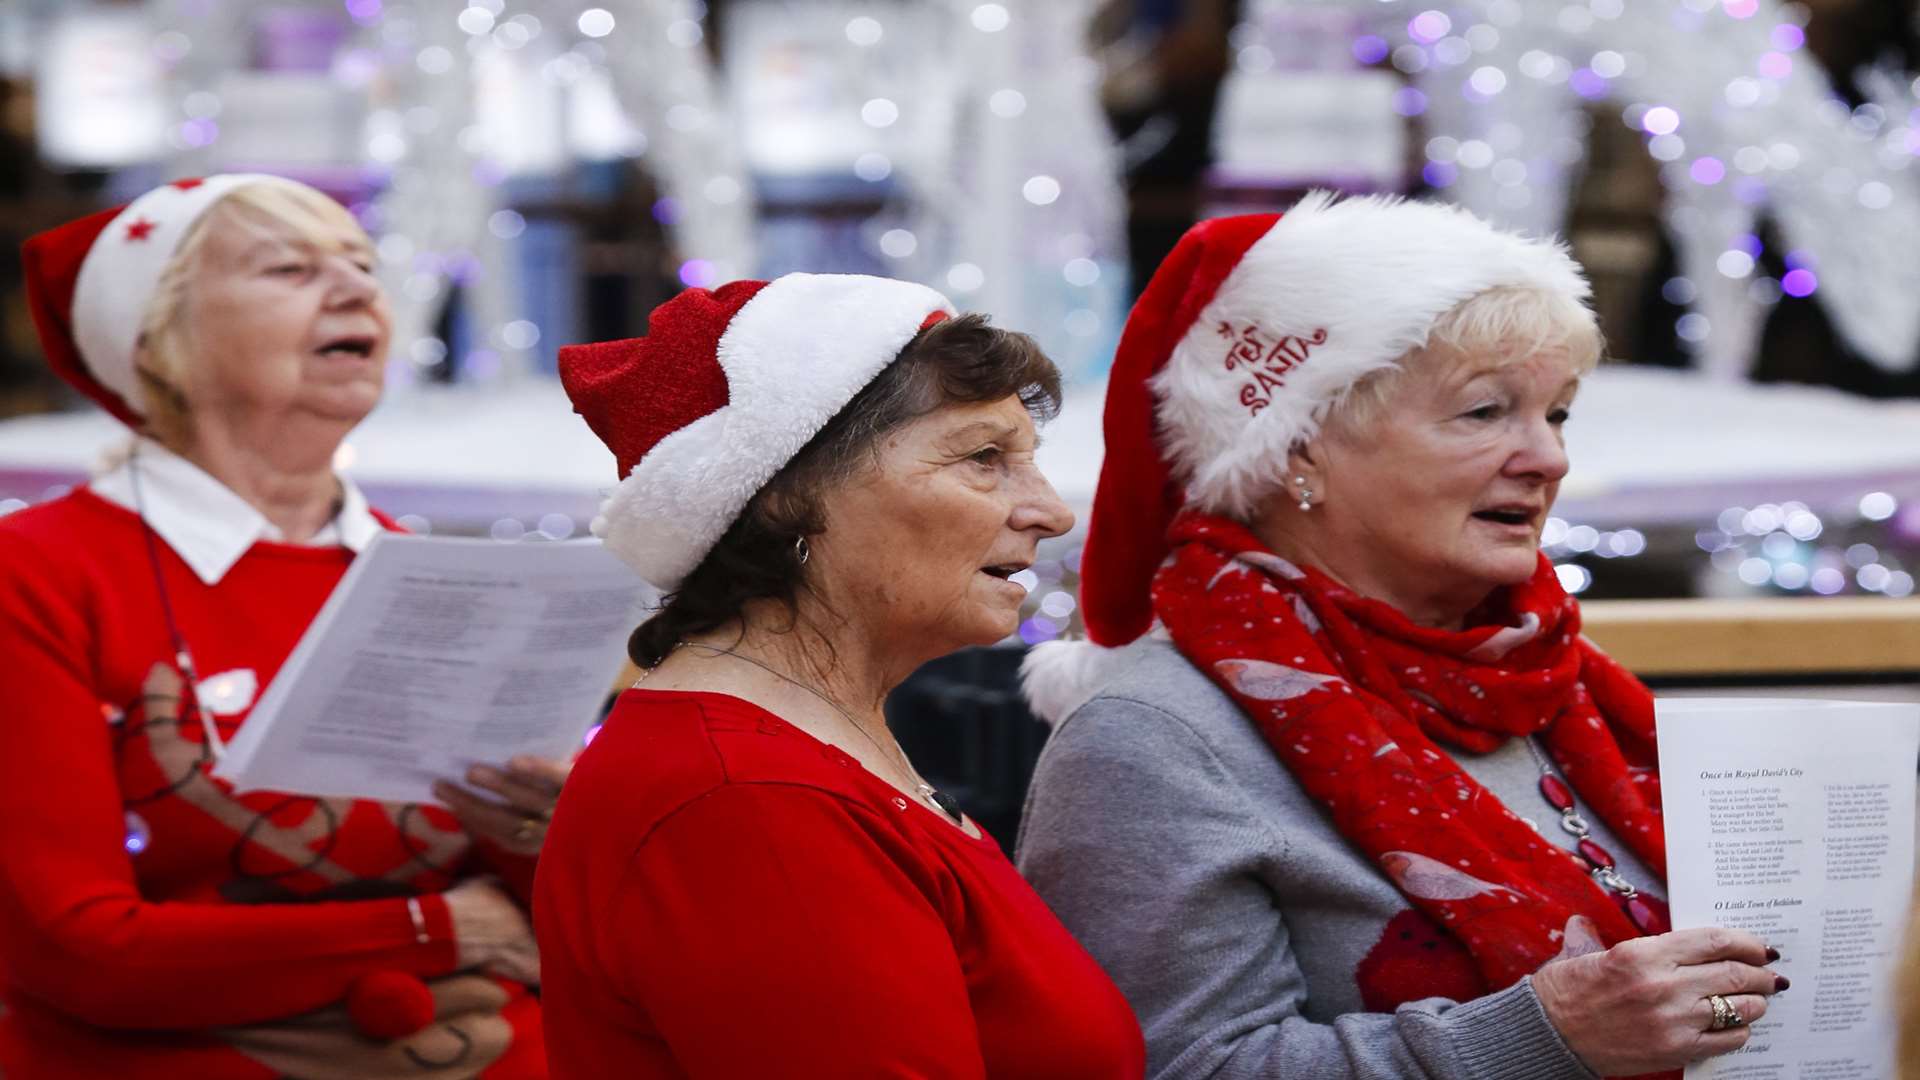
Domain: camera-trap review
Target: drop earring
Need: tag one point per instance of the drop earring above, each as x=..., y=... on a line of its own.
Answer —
x=1306, y=493
x=801, y=552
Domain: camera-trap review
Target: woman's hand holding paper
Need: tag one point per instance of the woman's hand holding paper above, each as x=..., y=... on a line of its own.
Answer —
x=525, y=791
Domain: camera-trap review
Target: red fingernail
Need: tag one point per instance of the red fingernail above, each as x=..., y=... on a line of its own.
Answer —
x=1780, y=983
x=1772, y=954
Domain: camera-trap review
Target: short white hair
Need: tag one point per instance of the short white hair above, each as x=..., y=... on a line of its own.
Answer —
x=1505, y=324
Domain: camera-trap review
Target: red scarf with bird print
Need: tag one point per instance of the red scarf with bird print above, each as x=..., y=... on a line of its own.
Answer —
x=1361, y=705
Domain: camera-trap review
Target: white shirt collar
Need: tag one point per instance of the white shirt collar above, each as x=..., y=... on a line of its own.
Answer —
x=205, y=522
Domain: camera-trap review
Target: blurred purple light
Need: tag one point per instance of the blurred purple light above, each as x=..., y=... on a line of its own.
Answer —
x=1439, y=174
x=1660, y=120
x=1429, y=27
x=1799, y=283
x=1370, y=49
x=199, y=132
x=1038, y=629
x=1775, y=65
x=697, y=273
x=1750, y=190
x=463, y=267
x=666, y=211
x=1749, y=243
x=139, y=835
x=1707, y=170
x=1588, y=83
x=363, y=11
x=1797, y=259
x=1906, y=523
x=1409, y=102
x=482, y=364
x=1788, y=37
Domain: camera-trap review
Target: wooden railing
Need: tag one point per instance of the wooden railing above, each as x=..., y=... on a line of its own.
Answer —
x=1763, y=639
x=1837, y=636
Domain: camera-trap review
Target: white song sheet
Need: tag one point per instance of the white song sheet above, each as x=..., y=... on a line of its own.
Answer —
x=434, y=654
x=1795, y=820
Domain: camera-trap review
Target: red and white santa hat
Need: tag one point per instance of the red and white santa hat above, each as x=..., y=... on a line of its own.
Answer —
x=89, y=283
x=1248, y=332
x=727, y=386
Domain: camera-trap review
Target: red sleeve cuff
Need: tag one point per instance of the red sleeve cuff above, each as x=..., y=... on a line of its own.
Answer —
x=440, y=953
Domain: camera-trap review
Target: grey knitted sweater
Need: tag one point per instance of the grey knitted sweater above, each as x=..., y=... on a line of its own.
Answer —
x=1181, y=852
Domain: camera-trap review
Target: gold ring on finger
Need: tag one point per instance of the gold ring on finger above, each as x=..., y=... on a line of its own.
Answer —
x=1725, y=1015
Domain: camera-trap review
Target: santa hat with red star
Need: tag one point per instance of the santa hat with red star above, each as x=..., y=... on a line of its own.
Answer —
x=728, y=385
x=89, y=283
x=1249, y=331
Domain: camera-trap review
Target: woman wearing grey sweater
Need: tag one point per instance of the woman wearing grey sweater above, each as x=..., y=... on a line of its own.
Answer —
x=1363, y=803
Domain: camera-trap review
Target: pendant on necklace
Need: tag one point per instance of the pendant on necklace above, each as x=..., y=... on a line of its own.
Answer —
x=1648, y=913
x=948, y=805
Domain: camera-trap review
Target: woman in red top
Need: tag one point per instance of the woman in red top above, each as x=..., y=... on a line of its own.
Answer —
x=152, y=923
x=833, y=480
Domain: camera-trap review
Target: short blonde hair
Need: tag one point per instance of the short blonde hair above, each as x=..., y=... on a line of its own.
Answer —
x=1505, y=324
x=166, y=340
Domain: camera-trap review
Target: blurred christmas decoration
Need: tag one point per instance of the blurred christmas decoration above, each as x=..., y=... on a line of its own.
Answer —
x=1742, y=118
x=98, y=63
x=954, y=143
x=418, y=113
x=1745, y=122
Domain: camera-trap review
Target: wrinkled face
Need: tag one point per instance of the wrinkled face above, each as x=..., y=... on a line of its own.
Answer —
x=917, y=550
x=1444, y=492
x=284, y=326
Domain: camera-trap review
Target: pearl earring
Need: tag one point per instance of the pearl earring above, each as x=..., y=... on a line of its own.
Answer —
x=1306, y=493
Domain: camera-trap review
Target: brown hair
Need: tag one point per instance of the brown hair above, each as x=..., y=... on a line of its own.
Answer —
x=956, y=361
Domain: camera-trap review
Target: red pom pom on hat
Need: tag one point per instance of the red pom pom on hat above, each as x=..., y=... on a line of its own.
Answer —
x=389, y=1005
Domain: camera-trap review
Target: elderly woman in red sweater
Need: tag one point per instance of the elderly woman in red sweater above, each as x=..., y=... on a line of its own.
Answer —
x=154, y=924
x=747, y=877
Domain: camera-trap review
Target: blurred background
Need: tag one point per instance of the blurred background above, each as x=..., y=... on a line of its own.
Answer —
x=1737, y=176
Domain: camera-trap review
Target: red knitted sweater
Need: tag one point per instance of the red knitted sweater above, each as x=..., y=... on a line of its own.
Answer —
x=151, y=923
x=724, y=896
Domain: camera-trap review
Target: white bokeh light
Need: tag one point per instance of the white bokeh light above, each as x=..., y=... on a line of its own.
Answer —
x=965, y=277
x=898, y=243
x=1007, y=103
x=1041, y=190
x=596, y=22
x=990, y=18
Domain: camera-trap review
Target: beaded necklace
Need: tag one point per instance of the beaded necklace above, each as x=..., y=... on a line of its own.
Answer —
x=1647, y=912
